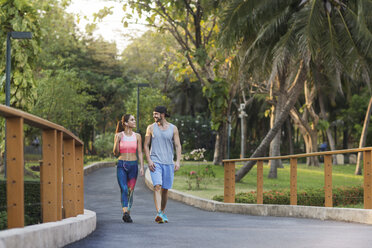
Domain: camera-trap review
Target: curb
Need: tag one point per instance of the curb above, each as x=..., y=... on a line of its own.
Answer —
x=54, y=234
x=363, y=216
x=98, y=165
x=51, y=234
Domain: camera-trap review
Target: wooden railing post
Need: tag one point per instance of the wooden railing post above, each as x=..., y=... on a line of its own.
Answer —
x=79, y=169
x=367, y=171
x=59, y=174
x=293, y=181
x=49, y=176
x=259, y=191
x=69, y=179
x=229, y=190
x=328, y=181
x=15, y=171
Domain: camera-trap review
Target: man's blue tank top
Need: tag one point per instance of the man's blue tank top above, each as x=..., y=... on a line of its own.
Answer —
x=162, y=145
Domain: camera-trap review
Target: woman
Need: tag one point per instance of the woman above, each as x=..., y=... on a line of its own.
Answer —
x=126, y=144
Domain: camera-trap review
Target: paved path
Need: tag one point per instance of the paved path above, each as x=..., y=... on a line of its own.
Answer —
x=192, y=227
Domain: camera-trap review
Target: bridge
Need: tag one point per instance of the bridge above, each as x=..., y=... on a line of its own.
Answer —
x=205, y=224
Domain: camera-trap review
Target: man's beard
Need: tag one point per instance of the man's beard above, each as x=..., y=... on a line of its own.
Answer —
x=158, y=119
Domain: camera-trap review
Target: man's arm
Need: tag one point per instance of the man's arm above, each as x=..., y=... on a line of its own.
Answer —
x=140, y=155
x=146, y=147
x=177, y=143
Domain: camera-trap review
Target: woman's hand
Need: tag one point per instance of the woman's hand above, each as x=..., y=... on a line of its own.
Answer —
x=142, y=173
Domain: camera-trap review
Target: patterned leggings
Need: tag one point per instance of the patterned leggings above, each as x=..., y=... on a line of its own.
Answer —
x=127, y=172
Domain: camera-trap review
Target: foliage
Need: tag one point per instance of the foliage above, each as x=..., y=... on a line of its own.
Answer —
x=353, y=115
x=308, y=197
x=103, y=144
x=150, y=58
x=21, y=16
x=63, y=100
x=194, y=25
x=188, y=99
x=195, y=132
x=3, y=220
x=149, y=98
x=32, y=203
x=201, y=175
x=216, y=94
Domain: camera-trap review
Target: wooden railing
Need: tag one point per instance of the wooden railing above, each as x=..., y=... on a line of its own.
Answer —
x=61, y=173
x=229, y=166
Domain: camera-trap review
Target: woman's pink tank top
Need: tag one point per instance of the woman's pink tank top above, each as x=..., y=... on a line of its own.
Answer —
x=128, y=144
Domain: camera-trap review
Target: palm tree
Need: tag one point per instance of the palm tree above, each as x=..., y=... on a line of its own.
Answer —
x=287, y=36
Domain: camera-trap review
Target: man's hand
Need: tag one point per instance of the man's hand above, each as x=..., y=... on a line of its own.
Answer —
x=151, y=166
x=176, y=166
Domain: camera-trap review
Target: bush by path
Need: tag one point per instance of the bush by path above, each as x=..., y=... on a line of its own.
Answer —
x=310, y=197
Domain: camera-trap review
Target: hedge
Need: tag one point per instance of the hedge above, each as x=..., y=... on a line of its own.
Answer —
x=32, y=203
x=308, y=197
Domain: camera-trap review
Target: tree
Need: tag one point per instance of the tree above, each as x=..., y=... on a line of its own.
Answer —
x=63, y=100
x=282, y=32
x=149, y=98
x=363, y=137
x=19, y=15
x=152, y=57
x=193, y=23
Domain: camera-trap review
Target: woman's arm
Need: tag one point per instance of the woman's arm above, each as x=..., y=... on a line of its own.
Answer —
x=116, y=150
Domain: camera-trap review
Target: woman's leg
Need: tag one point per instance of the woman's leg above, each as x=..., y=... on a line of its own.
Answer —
x=122, y=181
x=131, y=179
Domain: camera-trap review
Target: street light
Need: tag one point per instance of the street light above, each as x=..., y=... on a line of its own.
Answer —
x=138, y=100
x=242, y=115
x=13, y=35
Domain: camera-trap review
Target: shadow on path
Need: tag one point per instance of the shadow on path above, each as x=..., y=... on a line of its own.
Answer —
x=192, y=227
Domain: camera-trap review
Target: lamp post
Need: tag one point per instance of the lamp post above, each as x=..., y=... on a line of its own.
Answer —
x=138, y=102
x=242, y=115
x=13, y=35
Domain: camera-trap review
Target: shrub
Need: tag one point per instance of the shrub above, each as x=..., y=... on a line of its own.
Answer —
x=195, y=155
x=309, y=197
x=195, y=132
x=202, y=175
x=104, y=143
x=32, y=203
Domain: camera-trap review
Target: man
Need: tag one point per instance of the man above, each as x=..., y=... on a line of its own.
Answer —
x=163, y=136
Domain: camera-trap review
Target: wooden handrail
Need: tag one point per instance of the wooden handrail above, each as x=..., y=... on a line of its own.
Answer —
x=229, y=166
x=302, y=155
x=56, y=173
x=36, y=121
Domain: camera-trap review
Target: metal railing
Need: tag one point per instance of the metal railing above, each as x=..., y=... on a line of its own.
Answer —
x=229, y=182
x=61, y=173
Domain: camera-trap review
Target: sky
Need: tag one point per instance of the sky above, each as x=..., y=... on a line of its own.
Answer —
x=111, y=28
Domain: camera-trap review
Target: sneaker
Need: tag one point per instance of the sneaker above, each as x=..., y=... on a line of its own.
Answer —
x=165, y=218
x=127, y=218
x=159, y=218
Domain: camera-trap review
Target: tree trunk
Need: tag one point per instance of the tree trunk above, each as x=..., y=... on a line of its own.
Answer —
x=324, y=116
x=289, y=137
x=314, y=148
x=291, y=100
x=363, y=138
x=220, y=145
x=275, y=144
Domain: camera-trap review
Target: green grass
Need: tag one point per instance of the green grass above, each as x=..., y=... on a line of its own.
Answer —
x=307, y=177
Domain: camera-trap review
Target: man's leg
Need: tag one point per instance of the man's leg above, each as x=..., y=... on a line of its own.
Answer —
x=164, y=198
x=157, y=197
